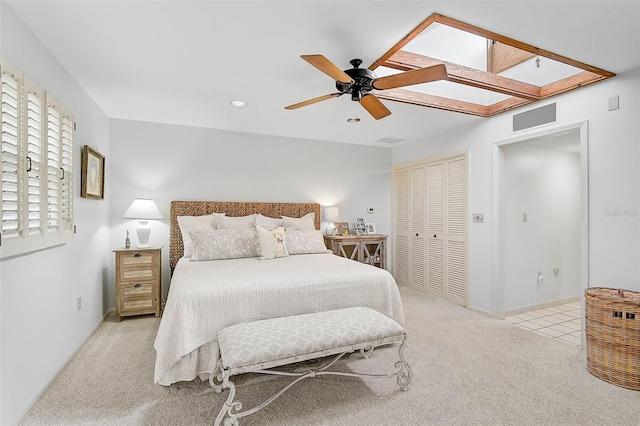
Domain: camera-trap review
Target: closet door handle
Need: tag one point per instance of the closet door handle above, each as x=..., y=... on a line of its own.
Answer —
x=417, y=234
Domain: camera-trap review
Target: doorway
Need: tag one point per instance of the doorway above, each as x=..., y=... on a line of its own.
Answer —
x=541, y=220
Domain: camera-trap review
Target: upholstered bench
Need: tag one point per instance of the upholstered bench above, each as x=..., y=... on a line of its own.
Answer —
x=259, y=346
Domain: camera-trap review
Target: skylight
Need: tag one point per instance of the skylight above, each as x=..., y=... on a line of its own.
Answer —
x=487, y=73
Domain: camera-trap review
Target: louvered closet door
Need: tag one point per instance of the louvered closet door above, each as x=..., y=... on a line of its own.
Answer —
x=435, y=258
x=409, y=230
x=446, y=229
x=456, y=210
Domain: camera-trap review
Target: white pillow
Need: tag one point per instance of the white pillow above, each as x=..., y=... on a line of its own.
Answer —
x=195, y=223
x=305, y=242
x=304, y=222
x=228, y=222
x=271, y=242
x=267, y=222
x=216, y=244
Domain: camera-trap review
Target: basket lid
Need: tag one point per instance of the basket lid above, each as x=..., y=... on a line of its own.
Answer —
x=615, y=294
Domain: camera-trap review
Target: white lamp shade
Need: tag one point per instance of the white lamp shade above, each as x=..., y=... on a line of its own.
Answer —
x=331, y=214
x=143, y=209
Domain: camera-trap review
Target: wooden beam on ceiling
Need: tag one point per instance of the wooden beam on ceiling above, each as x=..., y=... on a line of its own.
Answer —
x=465, y=75
x=432, y=101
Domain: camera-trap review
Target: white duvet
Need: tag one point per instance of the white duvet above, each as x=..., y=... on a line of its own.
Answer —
x=206, y=297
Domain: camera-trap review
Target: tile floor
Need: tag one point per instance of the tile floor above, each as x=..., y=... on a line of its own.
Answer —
x=560, y=322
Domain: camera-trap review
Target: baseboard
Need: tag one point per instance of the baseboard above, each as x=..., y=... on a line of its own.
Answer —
x=480, y=311
x=535, y=306
x=59, y=371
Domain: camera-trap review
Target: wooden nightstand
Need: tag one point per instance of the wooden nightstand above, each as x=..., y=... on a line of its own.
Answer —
x=138, y=284
x=370, y=249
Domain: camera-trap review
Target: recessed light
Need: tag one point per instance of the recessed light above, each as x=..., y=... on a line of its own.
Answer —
x=353, y=120
x=238, y=103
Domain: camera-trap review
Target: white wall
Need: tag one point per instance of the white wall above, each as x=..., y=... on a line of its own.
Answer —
x=614, y=181
x=168, y=162
x=544, y=184
x=40, y=326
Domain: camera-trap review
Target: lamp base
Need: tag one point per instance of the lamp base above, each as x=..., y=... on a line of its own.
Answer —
x=143, y=233
x=330, y=230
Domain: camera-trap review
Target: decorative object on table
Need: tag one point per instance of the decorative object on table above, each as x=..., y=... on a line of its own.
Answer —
x=359, y=226
x=612, y=327
x=343, y=228
x=331, y=215
x=371, y=228
x=92, y=174
x=143, y=209
x=127, y=241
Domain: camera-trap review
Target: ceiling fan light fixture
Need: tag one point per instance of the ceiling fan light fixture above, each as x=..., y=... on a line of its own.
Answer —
x=238, y=103
x=353, y=120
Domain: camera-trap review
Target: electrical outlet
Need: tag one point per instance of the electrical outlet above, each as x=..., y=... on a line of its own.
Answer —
x=478, y=218
x=79, y=303
x=525, y=217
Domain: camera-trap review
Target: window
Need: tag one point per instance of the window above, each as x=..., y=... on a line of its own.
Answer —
x=36, y=201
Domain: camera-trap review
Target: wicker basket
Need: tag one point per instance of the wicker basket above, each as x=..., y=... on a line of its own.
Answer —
x=612, y=323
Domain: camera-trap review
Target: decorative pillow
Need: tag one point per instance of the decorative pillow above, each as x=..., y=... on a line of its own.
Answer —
x=271, y=242
x=216, y=244
x=195, y=223
x=269, y=223
x=304, y=222
x=305, y=242
x=228, y=222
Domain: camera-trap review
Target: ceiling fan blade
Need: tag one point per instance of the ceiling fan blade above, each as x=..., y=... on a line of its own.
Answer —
x=313, y=101
x=408, y=78
x=327, y=67
x=374, y=107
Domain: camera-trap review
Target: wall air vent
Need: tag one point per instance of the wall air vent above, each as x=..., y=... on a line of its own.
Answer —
x=535, y=117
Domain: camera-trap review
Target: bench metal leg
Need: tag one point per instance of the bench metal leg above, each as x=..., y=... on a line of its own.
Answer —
x=232, y=409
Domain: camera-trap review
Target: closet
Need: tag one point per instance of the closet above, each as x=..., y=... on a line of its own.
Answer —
x=430, y=227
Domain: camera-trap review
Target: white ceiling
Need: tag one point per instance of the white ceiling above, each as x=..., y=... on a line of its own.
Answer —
x=182, y=62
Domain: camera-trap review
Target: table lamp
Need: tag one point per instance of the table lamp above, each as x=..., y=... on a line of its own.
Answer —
x=143, y=209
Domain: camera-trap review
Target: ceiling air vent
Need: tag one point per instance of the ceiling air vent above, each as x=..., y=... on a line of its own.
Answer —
x=534, y=117
x=389, y=140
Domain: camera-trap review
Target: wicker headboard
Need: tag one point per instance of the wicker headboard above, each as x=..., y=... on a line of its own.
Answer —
x=231, y=208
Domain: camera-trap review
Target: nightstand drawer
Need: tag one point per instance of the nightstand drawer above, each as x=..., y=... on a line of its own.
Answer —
x=137, y=266
x=136, y=306
x=136, y=289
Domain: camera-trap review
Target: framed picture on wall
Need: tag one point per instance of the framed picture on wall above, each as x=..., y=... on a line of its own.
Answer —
x=92, y=174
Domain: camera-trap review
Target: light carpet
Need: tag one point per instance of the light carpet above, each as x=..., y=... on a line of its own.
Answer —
x=468, y=370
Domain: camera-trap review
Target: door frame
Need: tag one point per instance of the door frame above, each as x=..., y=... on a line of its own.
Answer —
x=498, y=286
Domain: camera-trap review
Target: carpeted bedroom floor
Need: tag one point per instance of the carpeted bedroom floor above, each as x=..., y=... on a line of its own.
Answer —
x=468, y=370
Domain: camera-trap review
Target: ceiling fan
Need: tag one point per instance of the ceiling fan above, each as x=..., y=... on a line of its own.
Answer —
x=358, y=82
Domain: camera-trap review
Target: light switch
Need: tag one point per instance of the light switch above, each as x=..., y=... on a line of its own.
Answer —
x=524, y=217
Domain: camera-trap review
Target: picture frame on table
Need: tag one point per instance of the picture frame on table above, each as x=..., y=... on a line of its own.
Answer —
x=370, y=228
x=92, y=174
x=359, y=226
x=342, y=227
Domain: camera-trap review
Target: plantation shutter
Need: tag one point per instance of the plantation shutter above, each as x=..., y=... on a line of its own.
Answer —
x=36, y=178
x=66, y=218
x=53, y=167
x=10, y=123
x=34, y=167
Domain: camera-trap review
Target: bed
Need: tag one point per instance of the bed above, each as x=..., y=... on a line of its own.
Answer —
x=206, y=296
